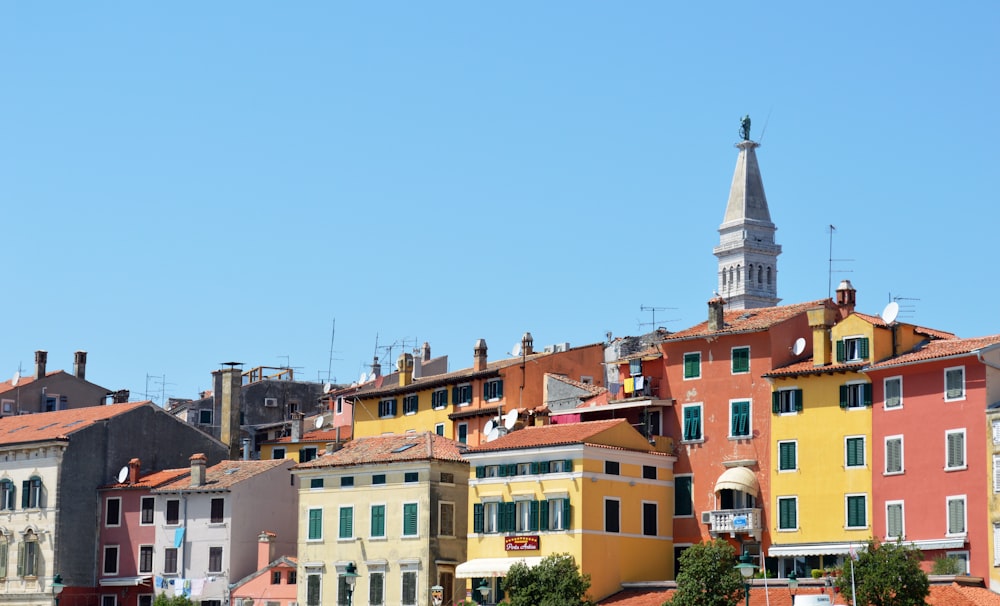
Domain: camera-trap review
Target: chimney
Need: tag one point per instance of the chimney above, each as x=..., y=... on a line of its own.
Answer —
x=298, y=419
x=821, y=320
x=846, y=297
x=265, y=549
x=133, y=471
x=425, y=352
x=527, y=344
x=479, y=355
x=404, y=364
x=716, y=315
x=376, y=368
x=198, y=462
x=80, y=364
x=41, y=357
x=228, y=383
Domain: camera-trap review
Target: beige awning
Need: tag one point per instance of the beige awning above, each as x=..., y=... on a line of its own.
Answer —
x=738, y=478
x=124, y=581
x=490, y=567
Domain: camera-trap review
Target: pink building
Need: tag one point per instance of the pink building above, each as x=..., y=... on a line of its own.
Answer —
x=274, y=581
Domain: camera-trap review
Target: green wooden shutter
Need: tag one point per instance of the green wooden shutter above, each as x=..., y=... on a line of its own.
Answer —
x=533, y=516
x=410, y=519
x=843, y=396
x=20, y=559
x=568, y=465
x=480, y=471
x=499, y=393
x=454, y=395
x=863, y=348
x=543, y=515
x=775, y=402
x=477, y=518
x=840, y=351
x=867, y=389
x=566, y=514
x=534, y=467
x=25, y=493
x=798, y=399
x=502, y=471
x=346, y=523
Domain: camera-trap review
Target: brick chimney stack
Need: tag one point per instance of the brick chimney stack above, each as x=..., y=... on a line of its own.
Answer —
x=133, y=470
x=298, y=421
x=41, y=358
x=716, y=313
x=198, y=463
x=80, y=364
x=846, y=298
x=404, y=364
x=479, y=355
x=527, y=344
x=265, y=548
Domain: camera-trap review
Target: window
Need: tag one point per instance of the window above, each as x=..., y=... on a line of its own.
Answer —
x=410, y=477
x=205, y=416
x=741, y=360
x=893, y=454
x=145, y=600
x=110, y=560
x=788, y=455
x=683, y=496
x=954, y=449
x=612, y=515
x=376, y=588
x=170, y=560
x=854, y=451
x=439, y=399
x=278, y=453
x=447, y=477
x=307, y=453
x=339, y=406
x=113, y=511
x=215, y=559
x=315, y=524
x=486, y=517
x=3, y=556
x=218, y=504
x=852, y=349
x=145, y=558
x=739, y=415
x=292, y=577
x=31, y=493
x=378, y=522
x=996, y=476
x=461, y=395
x=856, y=511
x=410, y=404
x=855, y=395
x=387, y=408
x=8, y=406
x=560, y=466
x=635, y=367
x=612, y=468
x=649, y=472
x=493, y=390
x=27, y=556
x=313, y=589
x=276, y=577
x=378, y=478
x=649, y=519
x=316, y=483
x=409, y=587
x=963, y=560
x=112, y=600
x=345, y=482
x=524, y=469
x=146, y=505
x=554, y=514
x=7, y=493
x=692, y=365
x=526, y=513
x=463, y=433
x=409, y=519
x=439, y=429
x=786, y=401
x=893, y=392
x=692, y=423
x=954, y=383
x=894, y=520
x=346, y=528
x=788, y=513
x=446, y=519
x=173, y=512
x=956, y=515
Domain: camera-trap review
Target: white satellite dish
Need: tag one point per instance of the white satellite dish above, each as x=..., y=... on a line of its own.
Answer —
x=798, y=346
x=509, y=420
x=122, y=474
x=327, y=387
x=363, y=379
x=319, y=422
x=17, y=377
x=493, y=435
x=490, y=426
x=890, y=313
x=517, y=350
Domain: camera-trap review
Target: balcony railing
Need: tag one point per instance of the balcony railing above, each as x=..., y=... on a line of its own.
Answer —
x=733, y=521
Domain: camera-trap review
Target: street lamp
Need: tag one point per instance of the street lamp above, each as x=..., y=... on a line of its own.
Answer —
x=484, y=590
x=746, y=568
x=793, y=584
x=350, y=577
x=57, y=587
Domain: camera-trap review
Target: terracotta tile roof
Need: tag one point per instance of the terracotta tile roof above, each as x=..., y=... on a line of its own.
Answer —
x=747, y=320
x=944, y=348
x=151, y=480
x=225, y=475
x=595, y=390
x=59, y=424
x=7, y=385
x=961, y=595
x=650, y=353
x=549, y=435
x=934, y=333
x=639, y=597
x=806, y=367
x=318, y=435
x=422, y=446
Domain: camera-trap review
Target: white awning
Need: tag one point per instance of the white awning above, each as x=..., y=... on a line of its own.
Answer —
x=490, y=567
x=738, y=478
x=124, y=581
x=813, y=549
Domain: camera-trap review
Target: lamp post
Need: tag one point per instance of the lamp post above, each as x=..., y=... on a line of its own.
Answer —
x=351, y=578
x=484, y=590
x=793, y=585
x=746, y=568
x=57, y=587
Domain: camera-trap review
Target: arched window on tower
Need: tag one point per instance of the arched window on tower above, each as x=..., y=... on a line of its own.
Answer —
x=760, y=275
x=750, y=274
x=730, y=276
x=723, y=279
x=769, y=276
x=739, y=274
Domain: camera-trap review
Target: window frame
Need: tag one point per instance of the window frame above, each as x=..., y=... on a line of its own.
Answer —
x=685, y=436
x=847, y=510
x=689, y=477
x=8, y=495
x=734, y=358
x=647, y=518
x=416, y=520
x=144, y=519
x=493, y=390
x=613, y=524
x=462, y=435
x=960, y=396
x=794, y=444
x=848, y=440
x=217, y=517
x=170, y=560
x=345, y=524
x=885, y=393
x=411, y=404
x=278, y=452
x=439, y=399
x=373, y=518
x=167, y=506
x=794, y=500
x=110, y=568
x=949, y=531
x=314, y=534
x=442, y=506
x=692, y=361
x=462, y=394
x=107, y=512
x=948, y=463
x=748, y=432
x=215, y=558
x=856, y=348
x=787, y=401
x=387, y=408
x=856, y=395
x=902, y=460
x=145, y=556
x=902, y=520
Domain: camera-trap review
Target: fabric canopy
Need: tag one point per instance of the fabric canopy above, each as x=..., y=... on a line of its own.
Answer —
x=737, y=478
x=490, y=567
x=124, y=581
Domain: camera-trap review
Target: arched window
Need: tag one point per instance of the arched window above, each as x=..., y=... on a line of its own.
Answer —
x=750, y=274
x=760, y=275
x=730, y=275
x=27, y=556
x=739, y=274
x=31, y=493
x=3, y=554
x=723, y=278
x=768, y=276
x=7, y=495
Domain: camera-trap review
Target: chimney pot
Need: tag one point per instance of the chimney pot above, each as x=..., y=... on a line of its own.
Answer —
x=404, y=364
x=80, y=364
x=527, y=344
x=479, y=355
x=133, y=471
x=716, y=313
x=198, y=463
x=425, y=352
x=41, y=358
x=298, y=420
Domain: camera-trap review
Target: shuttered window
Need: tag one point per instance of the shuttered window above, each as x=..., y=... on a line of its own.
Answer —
x=787, y=456
x=740, y=419
x=855, y=452
x=741, y=360
x=788, y=513
x=378, y=521
x=894, y=520
x=683, y=497
x=692, y=423
x=856, y=511
x=955, y=449
x=692, y=365
x=410, y=520
x=956, y=515
x=346, y=523
x=315, y=524
x=894, y=454
x=893, y=392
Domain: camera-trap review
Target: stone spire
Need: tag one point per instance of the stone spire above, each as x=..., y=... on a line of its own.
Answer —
x=748, y=256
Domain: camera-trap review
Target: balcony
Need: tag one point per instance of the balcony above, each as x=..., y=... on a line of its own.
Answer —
x=733, y=522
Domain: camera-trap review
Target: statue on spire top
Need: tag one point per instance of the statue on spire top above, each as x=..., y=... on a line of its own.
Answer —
x=745, y=127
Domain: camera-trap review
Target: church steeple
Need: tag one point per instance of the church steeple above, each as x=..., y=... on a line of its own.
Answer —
x=747, y=253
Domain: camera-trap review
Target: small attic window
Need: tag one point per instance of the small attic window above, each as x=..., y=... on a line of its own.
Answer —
x=231, y=471
x=746, y=316
x=404, y=447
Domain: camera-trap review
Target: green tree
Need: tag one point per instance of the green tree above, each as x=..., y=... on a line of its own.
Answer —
x=947, y=565
x=886, y=574
x=708, y=576
x=162, y=599
x=555, y=581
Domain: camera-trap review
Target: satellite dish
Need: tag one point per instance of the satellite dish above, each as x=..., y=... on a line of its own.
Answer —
x=327, y=387
x=490, y=426
x=123, y=474
x=364, y=378
x=798, y=346
x=17, y=377
x=890, y=313
x=319, y=422
x=509, y=420
x=517, y=350
x=493, y=434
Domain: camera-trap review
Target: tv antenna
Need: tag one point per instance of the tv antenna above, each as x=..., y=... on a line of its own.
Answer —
x=905, y=308
x=829, y=279
x=653, y=311
x=329, y=365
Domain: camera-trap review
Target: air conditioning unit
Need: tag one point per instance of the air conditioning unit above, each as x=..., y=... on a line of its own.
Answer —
x=706, y=517
x=271, y=402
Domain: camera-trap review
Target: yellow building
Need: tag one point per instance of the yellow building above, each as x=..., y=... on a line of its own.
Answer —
x=307, y=439
x=597, y=490
x=390, y=509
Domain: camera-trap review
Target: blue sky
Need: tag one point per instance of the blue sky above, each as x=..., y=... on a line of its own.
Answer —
x=190, y=183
